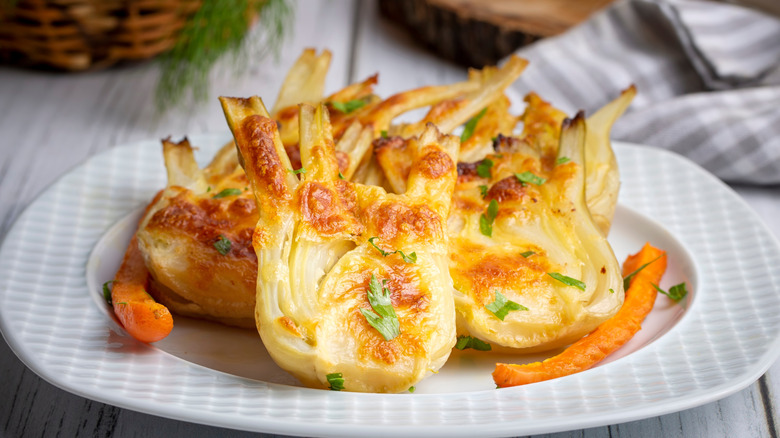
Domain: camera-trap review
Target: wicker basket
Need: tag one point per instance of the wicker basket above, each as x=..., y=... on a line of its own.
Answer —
x=88, y=34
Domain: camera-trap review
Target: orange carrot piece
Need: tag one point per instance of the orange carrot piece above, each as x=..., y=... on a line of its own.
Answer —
x=606, y=338
x=142, y=317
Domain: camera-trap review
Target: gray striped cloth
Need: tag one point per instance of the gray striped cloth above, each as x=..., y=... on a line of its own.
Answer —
x=707, y=75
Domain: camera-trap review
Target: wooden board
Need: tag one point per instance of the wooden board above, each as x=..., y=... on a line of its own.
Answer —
x=477, y=33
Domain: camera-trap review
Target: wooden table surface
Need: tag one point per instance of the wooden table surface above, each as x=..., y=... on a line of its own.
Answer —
x=50, y=122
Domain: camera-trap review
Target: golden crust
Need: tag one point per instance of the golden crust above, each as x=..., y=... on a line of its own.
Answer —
x=178, y=234
x=400, y=223
x=267, y=165
x=329, y=210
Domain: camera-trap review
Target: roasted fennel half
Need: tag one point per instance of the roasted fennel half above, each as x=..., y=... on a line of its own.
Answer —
x=353, y=287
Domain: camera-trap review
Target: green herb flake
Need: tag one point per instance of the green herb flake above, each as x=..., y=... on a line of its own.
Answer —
x=627, y=278
x=341, y=175
x=502, y=306
x=483, y=190
x=336, y=381
x=349, y=106
x=383, y=317
x=486, y=219
x=528, y=254
x=465, y=342
x=223, y=245
x=485, y=227
x=410, y=258
x=612, y=291
x=383, y=133
x=296, y=172
x=107, y=291
x=412, y=389
x=568, y=281
x=227, y=192
x=483, y=168
x=562, y=160
x=529, y=178
x=381, y=251
x=468, y=130
x=208, y=189
x=676, y=292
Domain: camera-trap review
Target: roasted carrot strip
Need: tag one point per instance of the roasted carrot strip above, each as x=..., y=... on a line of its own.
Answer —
x=608, y=337
x=142, y=317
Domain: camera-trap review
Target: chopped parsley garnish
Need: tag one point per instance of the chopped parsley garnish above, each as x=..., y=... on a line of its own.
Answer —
x=336, y=381
x=208, y=189
x=483, y=168
x=612, y=291
x=562, y=160
x=107, y=291
x=627, y=278
x=227, y=192
x=528, y=177
x=411, y=389
x=381, y=251
x=502, y=306
x=349, y=106
x=411, y=258
x=223, y=245
x=528, y=254
x=568, y=281
x=383, y=133
x=487, y=218
x=341, y=175
x=676, y=292
x=465, y=342
x=296, y=172
x=468, y=130
x=383, y=317
x=483, y=190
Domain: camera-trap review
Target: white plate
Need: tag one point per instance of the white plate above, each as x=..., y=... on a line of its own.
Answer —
x=721, y=340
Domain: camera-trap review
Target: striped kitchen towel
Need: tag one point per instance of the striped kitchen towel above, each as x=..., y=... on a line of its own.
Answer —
x=707, y=75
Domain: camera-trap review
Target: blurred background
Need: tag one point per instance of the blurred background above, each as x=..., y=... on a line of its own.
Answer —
x=188, y=37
